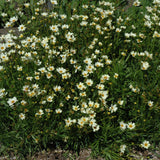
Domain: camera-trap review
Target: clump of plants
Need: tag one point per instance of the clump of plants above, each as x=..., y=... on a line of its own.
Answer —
x=80, y=75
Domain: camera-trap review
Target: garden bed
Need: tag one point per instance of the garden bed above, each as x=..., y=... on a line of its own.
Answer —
x=130, y=105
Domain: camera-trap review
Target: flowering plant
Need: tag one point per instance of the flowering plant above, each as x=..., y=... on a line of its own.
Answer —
x=80, y=73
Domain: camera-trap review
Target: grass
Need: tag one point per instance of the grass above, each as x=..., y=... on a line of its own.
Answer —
x=85, y=75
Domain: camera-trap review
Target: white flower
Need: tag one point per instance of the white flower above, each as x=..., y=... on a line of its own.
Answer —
x=81, y=86
x=50, y=99
x=89, y=82
x=84, y=23
x=26, y=5
x=122, y=148
x=100, y=86
x=1, y=68
x=144, y=65
x=95, y=127
x=12, y=101
x=57, y=88
x=120, y=102
x=54, y=28
x=22, y=116
x=70, y=37
x=116, y=75
x=68, y=122
x=61, y=70
x=103, y=94
x=145, y=144
x=54, y=2
x=13, y=19
x=123, y=125
x=21, y=28
x=58, y=111
x=75, y=108
x=2, y=47
x=131, y=125
x=150, y=103
x=113, y=108
x=19, y=68
x=42, y=70
x=40, y=112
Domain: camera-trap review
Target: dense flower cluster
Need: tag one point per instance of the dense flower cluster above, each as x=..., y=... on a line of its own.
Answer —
x=68, y=67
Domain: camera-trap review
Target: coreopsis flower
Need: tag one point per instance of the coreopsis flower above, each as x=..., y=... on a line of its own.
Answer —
x=42, y=70
x=113, y=108
x=75, y=108
x=83, y=94
x=22, y=116
x=145, y=144
x=70, y=37
x=2, y=47
x=85, y=73
x=65, y=26
x=54, y=28
x=84, y=23
x=49, y=98
x=123, y=125
x=49, y=75
x=122, y=148
x=26, y=5
x=120, y=102
x=68, y=122
x=95, y=127
x=144, y=65
x=7, y=24
x=156, y=34
x=131, y=125
x=89, y=82
x=103, y=94
x=23, y=102
x=4, y=14
x=1, y=68
x=12, y=101
x=44, y=14
x=96, y=105
x=92, y=122
x=150, y=103
x=57, y=88
x=116, y=75
x=40, y=112
x=90, y=103
x=54, y=2
x=84, y=105
x=136, y=3
x=26, y=88
x=21, y=28
x=19, y=68
x=68, y=97
x=35, y=86
x=61, y=70
x=13, y=19
x=99, y=64
x=87, y=61
x=50, y=68
x=100, y=86
x=105, y=77
x=58, y=111
x=81, y=86
x=4, y=57
x=3, y=92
